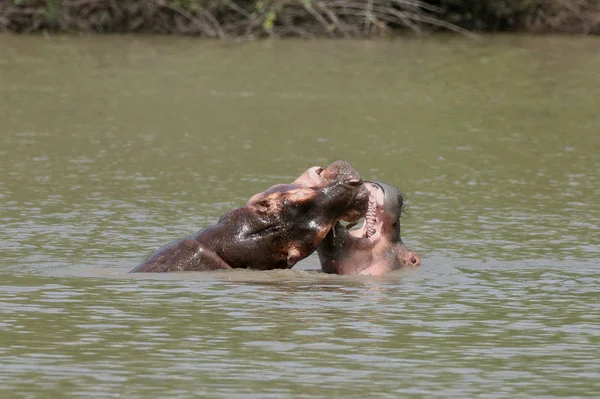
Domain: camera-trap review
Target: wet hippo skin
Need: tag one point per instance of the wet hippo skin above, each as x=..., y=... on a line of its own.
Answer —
x=275, y=229
x=376, y=248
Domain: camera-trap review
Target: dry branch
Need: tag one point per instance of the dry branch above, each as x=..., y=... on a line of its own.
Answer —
x=305, y=18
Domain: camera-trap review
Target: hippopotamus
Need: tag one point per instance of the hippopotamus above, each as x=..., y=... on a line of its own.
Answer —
x=375, y=248
x=275, y=229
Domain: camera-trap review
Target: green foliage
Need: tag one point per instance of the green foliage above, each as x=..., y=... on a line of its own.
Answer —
x=105, y=18
x=189, y=5
x=268, y=11
x=51, y=11
x=270, y=19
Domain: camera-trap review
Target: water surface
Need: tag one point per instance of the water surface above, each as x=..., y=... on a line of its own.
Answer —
x=114, y=146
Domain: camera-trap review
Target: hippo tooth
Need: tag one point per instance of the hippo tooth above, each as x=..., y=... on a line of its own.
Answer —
x=371, y=217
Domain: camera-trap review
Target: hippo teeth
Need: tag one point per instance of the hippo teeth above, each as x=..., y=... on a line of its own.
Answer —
x=370, y=217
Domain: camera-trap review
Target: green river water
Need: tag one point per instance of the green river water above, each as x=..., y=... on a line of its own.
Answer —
x=111, y=147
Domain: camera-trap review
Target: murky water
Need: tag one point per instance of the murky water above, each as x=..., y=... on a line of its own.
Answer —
x=114, y=146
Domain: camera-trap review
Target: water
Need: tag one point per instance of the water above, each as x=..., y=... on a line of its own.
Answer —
x=114, y=146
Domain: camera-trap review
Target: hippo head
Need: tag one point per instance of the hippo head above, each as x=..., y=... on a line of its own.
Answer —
x=375, y=248
x=293, y=219
x=341, y=187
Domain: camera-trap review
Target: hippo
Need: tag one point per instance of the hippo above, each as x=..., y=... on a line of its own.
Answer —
x=375, y=248
x=275, y=229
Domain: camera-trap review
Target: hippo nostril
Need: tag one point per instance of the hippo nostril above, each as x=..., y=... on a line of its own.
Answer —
x=413, y=259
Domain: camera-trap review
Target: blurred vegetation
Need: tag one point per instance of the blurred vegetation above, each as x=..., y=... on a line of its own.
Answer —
x=305, y=18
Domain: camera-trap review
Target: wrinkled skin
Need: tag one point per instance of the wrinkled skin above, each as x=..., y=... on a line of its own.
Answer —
x=275, y=229
x=374, y=249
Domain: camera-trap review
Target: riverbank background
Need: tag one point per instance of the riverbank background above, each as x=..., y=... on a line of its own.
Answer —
x=250, y=19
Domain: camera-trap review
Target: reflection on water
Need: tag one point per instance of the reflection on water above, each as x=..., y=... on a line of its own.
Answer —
x=113, y=147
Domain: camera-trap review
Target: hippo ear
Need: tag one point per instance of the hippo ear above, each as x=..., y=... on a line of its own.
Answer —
x=264, y=202
x=314, y=176
x=310, y=178
x=261, y=206
x=273, y=204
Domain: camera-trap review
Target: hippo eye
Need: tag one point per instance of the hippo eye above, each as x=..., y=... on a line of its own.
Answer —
x=319, y=171
x=355, y=182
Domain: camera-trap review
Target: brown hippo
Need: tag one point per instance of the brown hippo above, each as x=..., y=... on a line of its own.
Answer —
x=275, y=229
x=376, y=248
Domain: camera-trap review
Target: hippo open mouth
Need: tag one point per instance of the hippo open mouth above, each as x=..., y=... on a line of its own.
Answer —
x=375, y=247
x=371, y=227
